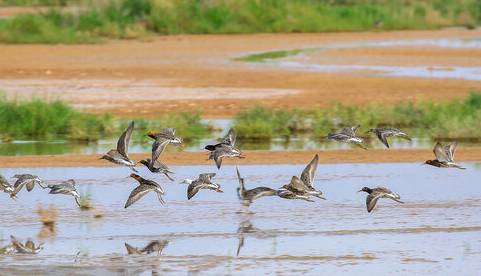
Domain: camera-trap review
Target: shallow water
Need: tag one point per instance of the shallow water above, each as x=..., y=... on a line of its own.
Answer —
x=437, y=230
x=304, y=63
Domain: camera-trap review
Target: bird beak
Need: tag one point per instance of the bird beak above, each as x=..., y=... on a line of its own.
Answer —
x=359, y=191
x=219, y=190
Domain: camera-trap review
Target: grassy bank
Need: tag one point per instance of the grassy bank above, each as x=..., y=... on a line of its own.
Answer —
x=137, y=18
x=41, y=120
x=457, y=119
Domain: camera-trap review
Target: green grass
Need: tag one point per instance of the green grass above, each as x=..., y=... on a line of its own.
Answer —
x=189, y=126
x=261, y=57
x=127, y=19
x=42, y=120
x=39, y=119
x=457, y=119
x=35, y=2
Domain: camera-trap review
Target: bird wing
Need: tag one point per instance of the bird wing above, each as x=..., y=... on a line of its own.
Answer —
x=339, y=136
x=18, y=186
x=371, y=201
x=382, y=135
x=350, y=131
x=124, y=140
x=157, y=148
x=169, y=132
x=218, y=154
x=206, y=177
x=296, y=185
x=450, y=150
x=241, y=180
x=29, y=244
x=131, y=250
x=308, y=173
x=193, y=189
x=137, y=194
x=440, y=153
x=30, y=185
x=230, y=137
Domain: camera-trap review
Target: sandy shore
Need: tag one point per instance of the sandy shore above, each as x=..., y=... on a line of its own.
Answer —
x=252, y=157
x=196, y=72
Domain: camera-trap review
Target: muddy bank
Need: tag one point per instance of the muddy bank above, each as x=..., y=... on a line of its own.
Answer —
x=196, y=72
x=252, y=157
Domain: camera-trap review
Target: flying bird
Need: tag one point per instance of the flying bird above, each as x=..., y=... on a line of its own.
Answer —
x=5, y=186
x=444, y=156
x=226, y=148
x=120, y=155
x=375, y=194
x=248, y=196
x=303, y=187
x=385, y=132
x=145, y=186
x=204, y=181
x=347, y=135
x=26, y=180
x=66, y=188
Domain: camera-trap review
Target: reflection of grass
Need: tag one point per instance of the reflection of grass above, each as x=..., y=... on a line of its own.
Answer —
x=136, y=18
x=457, y=119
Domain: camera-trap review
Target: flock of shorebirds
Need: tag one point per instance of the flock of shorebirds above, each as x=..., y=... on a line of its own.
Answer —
x=298, y=188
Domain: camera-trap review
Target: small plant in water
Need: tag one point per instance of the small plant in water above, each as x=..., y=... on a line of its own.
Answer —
x=48, y=217
x=85, y=201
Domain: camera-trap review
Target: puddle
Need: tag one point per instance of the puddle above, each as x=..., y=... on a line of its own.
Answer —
x=465, y=73
x=437, y=230
x=303, y=62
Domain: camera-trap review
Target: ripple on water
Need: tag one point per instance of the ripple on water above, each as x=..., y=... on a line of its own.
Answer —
x=429, y=233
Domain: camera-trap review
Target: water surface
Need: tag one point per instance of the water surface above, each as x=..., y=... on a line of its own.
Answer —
x=437, y=230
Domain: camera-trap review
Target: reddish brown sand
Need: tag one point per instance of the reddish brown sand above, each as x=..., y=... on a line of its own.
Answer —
x=204, y=63
x=252, y=157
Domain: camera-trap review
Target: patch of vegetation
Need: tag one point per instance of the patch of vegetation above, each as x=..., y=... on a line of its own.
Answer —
x=189, y=126
x=457, y=119
x=261, y=57
x=34, y=2
x=85, y=201
x=136, y=18
x=48, y=216
x=40, y=119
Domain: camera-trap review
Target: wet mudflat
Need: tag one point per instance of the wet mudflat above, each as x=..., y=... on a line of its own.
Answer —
x=436, y=231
